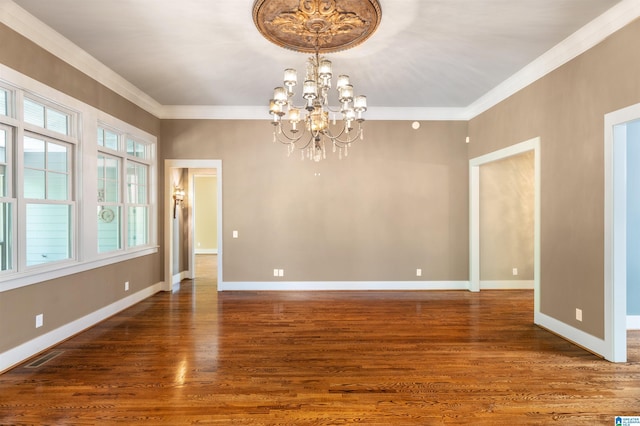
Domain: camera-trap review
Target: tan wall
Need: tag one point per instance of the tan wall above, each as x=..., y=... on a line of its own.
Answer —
x=206, y=207
x=70, y=298
x=566, y=110
x=507, y=218
x=397, y=203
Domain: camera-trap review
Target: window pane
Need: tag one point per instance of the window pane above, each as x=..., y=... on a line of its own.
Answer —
x=34, y=185
x=3, y=180
x=137, y=183
x=6, y=239
x=56, y=157
x=57, y=121
x=57, y=186
x=108, y=179
x=101, y=166
x=3, y=145
x=108, y=138
x=109, y=229
x=48, y=233
x=112, y=168
x=4, y=108
x=111, y=191
x=131, y=147
x=137, y=226
x=33, y=113
x=33, y=153
x=140, y=150
x=111, y=140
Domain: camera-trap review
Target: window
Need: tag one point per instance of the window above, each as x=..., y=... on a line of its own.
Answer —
x=45, y=117
x=48, y=222
x=47, y=186
x=6, y=202
x=138, y=210
x=133, y=208
x=108, y=139
x=109, y=205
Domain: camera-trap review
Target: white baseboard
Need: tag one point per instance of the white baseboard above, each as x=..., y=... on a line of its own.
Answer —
x=177, y=279
x=343, y=285
x=591, y=343
x=21, y=353
x=206, y=251
x=633, y=322
x=507, y=285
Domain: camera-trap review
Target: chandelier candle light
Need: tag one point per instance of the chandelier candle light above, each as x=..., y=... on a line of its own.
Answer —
x=316, y=26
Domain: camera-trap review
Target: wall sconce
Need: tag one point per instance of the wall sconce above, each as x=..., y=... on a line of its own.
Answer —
x=178, y=198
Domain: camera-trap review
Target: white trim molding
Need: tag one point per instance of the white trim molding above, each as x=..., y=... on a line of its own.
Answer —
x=507, y=285
x=342, y=285
x=633, y=322
x=615, y=231
x=572, y=334
x=206, y=251
x=23, y=352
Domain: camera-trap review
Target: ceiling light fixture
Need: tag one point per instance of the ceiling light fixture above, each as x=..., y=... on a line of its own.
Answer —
x=317, y=26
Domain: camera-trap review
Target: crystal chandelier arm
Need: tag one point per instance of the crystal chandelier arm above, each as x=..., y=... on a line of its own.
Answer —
x=279, y=130
x=342, y=142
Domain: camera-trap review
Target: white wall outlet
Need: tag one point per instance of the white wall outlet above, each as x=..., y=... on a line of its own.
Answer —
x=39, y=320
x=418, y=272
x=515, y=271
x=275, y=272
x=281, y=272
x=235, y=234
x=126, y=286
x=579, y=314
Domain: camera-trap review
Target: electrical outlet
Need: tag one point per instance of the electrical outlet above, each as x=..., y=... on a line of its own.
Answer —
x=418, y=272
x=515, y=271
x=126, y=286
x=281, y=272
x=275, y=272
x=579, y=314
x=39, y=320
x=235, y=234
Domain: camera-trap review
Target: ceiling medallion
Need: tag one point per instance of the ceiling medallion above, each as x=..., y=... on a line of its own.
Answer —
x=317, y=25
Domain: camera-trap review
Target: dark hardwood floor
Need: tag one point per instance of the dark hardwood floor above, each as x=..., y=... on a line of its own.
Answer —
x=307, y=358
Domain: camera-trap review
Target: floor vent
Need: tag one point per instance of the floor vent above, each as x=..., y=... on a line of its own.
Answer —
x=43, y=359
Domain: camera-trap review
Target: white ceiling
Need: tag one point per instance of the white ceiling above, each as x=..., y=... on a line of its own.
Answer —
x=425, y=54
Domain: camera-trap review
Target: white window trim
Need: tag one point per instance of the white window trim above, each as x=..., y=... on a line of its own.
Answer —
x=84, y=236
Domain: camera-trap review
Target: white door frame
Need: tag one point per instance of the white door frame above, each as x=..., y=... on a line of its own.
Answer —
x=615, y=232
x=474, y=213
x=168, y=217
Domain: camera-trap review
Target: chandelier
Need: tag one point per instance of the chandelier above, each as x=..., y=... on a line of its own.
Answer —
x=317, y=26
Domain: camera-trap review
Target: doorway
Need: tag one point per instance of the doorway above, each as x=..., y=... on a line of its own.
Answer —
x=474, y=214
x=622, y=135
x=170, y=250
x=203, y=232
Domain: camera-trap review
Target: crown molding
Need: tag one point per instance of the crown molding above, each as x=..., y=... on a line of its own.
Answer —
x=577, y=43
x=582, y=40
x=214, y=112
x=204, y=112
x=44, y=36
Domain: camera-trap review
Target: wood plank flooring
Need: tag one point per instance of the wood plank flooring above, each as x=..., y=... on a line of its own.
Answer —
x=322, y=358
